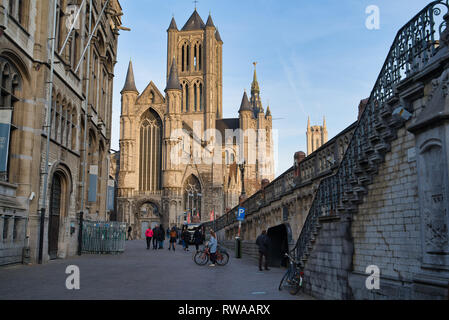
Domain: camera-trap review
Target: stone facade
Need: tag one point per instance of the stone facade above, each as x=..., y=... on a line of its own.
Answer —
x=154, y=127
x=316, y=136
x=25, y=51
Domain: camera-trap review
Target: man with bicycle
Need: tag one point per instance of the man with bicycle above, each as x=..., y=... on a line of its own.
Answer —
x=263, y=242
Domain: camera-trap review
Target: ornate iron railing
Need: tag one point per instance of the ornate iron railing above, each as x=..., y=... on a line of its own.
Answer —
x=415, y=43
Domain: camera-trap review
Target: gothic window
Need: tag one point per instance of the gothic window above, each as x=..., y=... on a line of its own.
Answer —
x=10, y=84
x=185, y=97
x=195, y=97
x=201, y=97
x=150, y=152
x=18, y=10
x=192, y=197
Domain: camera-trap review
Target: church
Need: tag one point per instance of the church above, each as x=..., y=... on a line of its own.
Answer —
x=180, y=160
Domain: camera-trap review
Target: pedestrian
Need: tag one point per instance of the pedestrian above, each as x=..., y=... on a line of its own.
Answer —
x=197, y=238
x=155, y=236
x=168, y=233
x=129, y=233
x=149, y=235
x=263, y=242
x=185, y=238
x=213, y=248
x=161, y=237
x=173, y=236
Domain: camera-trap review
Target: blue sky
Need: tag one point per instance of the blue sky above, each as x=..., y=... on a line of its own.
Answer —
x=315, y=58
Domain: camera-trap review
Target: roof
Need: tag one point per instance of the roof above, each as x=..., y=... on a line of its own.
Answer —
x=217, y=36
x=130, y=85
x=194, y=23
x=245, y=106
x=209, y=22
x=173, y=80
x=173, y=25
x=226, y=124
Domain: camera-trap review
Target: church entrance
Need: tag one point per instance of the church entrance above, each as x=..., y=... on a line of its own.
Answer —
x=279, y=246
x=149, y=217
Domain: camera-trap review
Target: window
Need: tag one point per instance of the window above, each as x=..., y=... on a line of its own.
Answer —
x=10, y=84
x=150, y=152
x=18, y=10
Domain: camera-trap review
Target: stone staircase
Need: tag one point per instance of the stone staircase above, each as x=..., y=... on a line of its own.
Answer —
x=341, y=194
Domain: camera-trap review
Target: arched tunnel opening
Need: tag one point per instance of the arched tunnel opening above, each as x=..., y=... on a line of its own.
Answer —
x=279, y=246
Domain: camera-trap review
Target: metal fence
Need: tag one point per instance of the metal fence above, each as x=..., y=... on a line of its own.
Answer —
x=103, y=237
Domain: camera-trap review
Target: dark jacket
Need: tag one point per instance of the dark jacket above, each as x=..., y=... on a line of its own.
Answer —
x=263, y=242
x=197, y=237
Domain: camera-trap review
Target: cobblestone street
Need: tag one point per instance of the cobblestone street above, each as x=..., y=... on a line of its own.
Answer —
x=144, y=274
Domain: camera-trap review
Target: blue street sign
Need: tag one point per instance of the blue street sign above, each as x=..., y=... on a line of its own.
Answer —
x=241, y=214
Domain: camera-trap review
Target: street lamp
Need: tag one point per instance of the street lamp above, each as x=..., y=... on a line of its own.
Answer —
x=242, y=170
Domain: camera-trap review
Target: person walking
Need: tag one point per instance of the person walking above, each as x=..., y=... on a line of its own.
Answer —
x=149, y=235
x=168, y=233
x=185, y=238
x=173, y=236
x=161, y=237
x=129, y=233
x=213, y=248
x=263, y=242
x=155, y=236
x=197, y=238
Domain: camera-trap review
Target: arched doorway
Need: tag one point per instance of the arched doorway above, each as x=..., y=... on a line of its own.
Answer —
x=149, y=216
x=55, y=215
x=279, y=246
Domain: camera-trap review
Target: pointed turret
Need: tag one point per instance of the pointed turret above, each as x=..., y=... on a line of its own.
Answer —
x=324, y=122
x=268, y=114
x=130, y=85
x=308, y=123
x=218, y=37
x=245, y=106
x=209, y=22
x=173, y=80
x=194, y=23
x=173, y=25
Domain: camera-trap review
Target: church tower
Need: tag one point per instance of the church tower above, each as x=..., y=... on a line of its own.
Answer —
x=316, y=136
x=197, y=49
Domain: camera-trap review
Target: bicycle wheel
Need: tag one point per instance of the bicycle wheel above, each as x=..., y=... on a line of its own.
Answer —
x=222, y=259
x=201, y=258
x=284, y=279
x=296, y=284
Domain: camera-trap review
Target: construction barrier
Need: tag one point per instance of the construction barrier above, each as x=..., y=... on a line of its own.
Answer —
x=103, y=237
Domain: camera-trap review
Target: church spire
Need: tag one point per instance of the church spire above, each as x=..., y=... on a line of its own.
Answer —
x=244, y=106
x=173, y=80
x=255, y=85
x=130, y=85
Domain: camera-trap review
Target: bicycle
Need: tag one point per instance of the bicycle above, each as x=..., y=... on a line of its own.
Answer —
x=202, y=257
x=293, y=278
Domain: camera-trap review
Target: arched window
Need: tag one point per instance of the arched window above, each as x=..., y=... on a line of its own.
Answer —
x=192, y=198
x=150, y=151
x=195, y=97
x=10, y=85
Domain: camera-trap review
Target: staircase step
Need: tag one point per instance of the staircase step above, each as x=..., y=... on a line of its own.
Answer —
x=360, y=190
x=376, y=158
x=374, y=138
x=382, y=147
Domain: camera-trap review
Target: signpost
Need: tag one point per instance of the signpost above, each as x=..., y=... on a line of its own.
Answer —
x=240, y=218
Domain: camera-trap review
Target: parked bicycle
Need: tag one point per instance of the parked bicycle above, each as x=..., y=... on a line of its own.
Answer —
x=293, y=278
x=202, y=257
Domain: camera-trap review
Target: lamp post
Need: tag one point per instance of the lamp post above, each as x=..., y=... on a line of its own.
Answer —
x=238, y=243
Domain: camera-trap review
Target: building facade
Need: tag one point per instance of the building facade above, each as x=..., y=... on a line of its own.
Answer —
x=178, y=156
x=26, y=40
x=316, y=136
